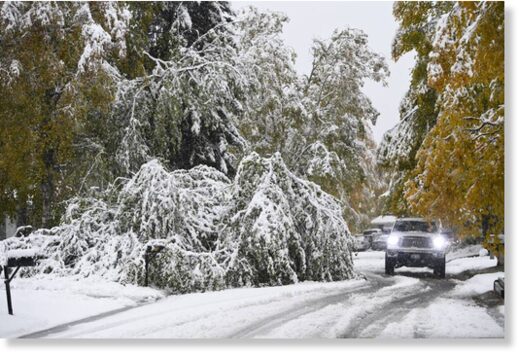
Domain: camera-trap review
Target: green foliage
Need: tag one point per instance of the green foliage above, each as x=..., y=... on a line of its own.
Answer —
x=44, y=104
x=59, y=125
x=189, y=83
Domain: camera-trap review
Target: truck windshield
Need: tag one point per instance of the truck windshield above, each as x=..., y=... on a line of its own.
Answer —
x=416, y=226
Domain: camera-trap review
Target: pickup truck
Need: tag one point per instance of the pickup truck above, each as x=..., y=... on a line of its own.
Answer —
x=416, y=242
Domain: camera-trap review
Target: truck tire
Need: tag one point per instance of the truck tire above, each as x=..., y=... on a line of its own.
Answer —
x=390, y=267
x=439, y=269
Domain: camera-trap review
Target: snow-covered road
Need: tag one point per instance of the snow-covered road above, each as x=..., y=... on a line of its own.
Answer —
x=413, y=303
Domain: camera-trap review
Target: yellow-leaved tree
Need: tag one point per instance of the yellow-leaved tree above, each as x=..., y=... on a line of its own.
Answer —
x=459, y=176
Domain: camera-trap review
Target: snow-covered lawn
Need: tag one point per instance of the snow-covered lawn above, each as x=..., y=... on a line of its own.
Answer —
x=41, y=303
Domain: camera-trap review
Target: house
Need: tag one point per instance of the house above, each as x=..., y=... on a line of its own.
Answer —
x=383, y=222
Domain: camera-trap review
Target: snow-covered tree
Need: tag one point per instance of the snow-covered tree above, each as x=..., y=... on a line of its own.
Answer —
x=183, y=109
x=100, y=101
x=397, y=152
x=56, y=73
x=335, y=147
x=460, y=172
x=266, y=227
x=284, y=228
x=164, y=101
x=274, y=108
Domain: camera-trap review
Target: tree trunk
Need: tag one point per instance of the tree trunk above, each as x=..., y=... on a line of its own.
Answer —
x=22, y=215
x=47, y=189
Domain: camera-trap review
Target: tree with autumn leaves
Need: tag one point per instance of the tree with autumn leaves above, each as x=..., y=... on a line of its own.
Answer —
x=118, y=84
x=459, y=174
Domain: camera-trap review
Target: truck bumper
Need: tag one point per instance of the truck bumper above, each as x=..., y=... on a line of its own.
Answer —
x=415, y=258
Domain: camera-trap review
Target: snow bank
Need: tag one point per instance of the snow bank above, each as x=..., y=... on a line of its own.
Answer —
x=95, y=287
x=369, y=261
x=267, y=227
x=477, y=284
x=459, y=266
x=463, y=251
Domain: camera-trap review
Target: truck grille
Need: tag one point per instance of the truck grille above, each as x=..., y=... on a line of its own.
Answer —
x=416, y=242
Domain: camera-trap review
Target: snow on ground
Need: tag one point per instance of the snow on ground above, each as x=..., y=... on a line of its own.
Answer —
x=369, y=261
x=501, y=309
x=445, y=318
x=466, y=251
x=403, y=305
x=40, y=303
x=477, y=284
x=373, y=261
x=94, y=287
x=452, y=315
x=459, y=266
x=212, y=314
x=337, y=320
x=455, y=267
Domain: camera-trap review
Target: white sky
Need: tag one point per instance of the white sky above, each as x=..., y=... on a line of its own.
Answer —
x=318, y=19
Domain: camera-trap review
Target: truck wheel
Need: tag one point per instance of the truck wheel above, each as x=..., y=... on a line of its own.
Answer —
x=439, y=269
x=390, y=267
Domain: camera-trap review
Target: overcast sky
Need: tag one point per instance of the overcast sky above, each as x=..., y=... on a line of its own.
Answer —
x=312, y=19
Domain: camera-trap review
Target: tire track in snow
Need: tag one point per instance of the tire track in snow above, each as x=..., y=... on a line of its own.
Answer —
x=66, y=326
x=222, y=308
x=267, y=324
x=376, y=320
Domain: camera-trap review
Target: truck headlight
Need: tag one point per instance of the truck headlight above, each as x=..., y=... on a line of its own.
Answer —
x=392, y=240
x=439, y=242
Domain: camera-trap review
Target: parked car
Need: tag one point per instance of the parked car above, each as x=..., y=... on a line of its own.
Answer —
x=361, y=243
x=416, y=242
x=380, y=242
x=499, y=287
x=372, y=234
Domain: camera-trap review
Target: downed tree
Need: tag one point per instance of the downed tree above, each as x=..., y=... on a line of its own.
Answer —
x=266, y=227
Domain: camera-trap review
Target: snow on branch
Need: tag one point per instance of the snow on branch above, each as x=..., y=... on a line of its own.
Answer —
x=267, y=226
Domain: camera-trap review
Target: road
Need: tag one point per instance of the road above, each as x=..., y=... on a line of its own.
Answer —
x=411, y=304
